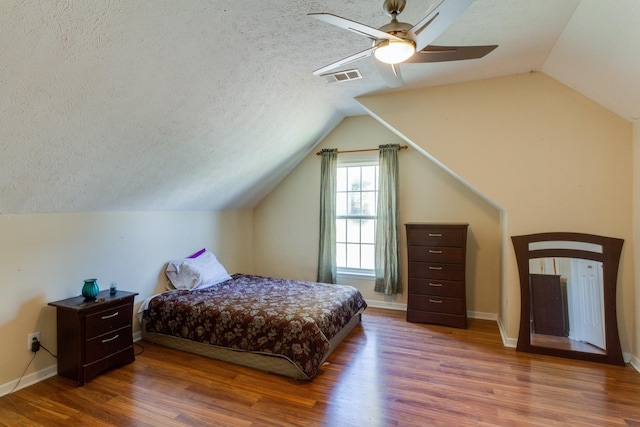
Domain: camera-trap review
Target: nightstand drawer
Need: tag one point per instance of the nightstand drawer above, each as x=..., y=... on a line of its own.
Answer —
x=107, y=344
x=425, y=270
x=439, y=254
x=443, y=288
x=108, y=320
x=437, y=237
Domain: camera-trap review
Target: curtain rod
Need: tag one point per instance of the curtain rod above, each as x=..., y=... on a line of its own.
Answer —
x=402, y=147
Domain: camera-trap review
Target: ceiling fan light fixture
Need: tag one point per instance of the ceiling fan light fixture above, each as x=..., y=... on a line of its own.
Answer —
x=394, y=52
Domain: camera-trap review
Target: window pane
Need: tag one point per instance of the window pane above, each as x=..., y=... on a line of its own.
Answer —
x=369, y=178
x=341, y=255
x=355, y=207
x=353, y=255
x=341, y=177
x=368, y=257
x=341, y=230
x=354, y=179
x=368, y=231
x=368, y=203
x=353, y=231
x=341, y=204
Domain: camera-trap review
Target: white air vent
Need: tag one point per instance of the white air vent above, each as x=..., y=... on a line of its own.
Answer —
x=343, y=76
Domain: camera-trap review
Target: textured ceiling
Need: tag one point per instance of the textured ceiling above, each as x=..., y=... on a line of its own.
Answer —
x=204, y=105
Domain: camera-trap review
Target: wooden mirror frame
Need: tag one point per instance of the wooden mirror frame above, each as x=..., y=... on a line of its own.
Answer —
x=610, y=258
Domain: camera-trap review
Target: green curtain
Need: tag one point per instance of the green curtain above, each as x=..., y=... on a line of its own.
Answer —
x=388, y=278
x=327, y=251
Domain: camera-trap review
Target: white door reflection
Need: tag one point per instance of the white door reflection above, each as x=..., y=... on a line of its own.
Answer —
x=567, y=304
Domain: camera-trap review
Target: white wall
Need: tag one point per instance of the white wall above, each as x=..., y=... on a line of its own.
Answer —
x=552, y=159
x=286, y=222
x=46, y=257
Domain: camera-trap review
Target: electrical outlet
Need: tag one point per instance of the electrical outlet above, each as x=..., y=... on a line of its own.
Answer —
x=30, y=338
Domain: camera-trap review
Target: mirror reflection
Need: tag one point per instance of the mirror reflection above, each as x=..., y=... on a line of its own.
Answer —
x=568, y=295
x=567, y=304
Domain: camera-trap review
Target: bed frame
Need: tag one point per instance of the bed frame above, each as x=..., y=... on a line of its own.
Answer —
x=268, y=362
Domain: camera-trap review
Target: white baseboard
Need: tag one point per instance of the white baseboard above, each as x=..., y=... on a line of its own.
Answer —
x=506, y=341
x=634, y=361
x=30, y=379
x=387, y=305
x=482, y=316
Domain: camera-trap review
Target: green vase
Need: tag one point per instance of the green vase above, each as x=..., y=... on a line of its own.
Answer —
x=90, y=289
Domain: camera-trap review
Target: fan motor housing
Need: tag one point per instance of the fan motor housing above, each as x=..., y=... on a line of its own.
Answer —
x=398, y=29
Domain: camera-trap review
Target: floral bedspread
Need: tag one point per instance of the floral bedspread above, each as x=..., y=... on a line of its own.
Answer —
x=286, y=317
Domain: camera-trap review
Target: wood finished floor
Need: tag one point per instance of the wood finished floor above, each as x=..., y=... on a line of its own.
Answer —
x=386, y=373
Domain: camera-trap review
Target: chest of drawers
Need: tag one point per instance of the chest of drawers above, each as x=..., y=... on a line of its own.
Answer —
x=94, y=336
x=436, y=285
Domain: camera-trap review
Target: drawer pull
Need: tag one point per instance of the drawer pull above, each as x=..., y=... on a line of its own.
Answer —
x=436, y=285
x=433, y=251
x=435, y=234
x=110, y=339
x=435, y=301
x=434, y=268
x=110, y=316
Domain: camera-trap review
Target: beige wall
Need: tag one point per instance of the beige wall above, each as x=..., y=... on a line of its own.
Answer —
x=552, y=160
x=636, y=240
x=46, y=258
x=286, y=221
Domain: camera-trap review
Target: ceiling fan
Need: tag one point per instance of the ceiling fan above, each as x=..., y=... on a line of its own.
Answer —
x=399, y=42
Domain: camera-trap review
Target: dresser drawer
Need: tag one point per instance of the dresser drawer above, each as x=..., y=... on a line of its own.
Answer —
x=443, y=288
x=425, y=270
x=455, y=320
x=437, y=237
x=107, y=320
x=439, y=254
x=107, y=344
x=436, y=304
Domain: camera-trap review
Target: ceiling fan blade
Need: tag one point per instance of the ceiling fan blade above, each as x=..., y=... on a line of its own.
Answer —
x=390, y=74
x=344, y=61
x=437, y=21
x=450, y=53
x=363, y=30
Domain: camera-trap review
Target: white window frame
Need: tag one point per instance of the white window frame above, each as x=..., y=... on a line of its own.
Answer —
x=358, y=272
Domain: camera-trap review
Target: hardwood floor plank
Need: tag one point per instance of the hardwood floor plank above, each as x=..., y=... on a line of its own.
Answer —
x=387, y=373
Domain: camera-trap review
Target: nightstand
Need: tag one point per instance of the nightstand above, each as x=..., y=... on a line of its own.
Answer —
x=94, y=336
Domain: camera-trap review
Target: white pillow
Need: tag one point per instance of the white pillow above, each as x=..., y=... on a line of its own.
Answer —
x=195, y=273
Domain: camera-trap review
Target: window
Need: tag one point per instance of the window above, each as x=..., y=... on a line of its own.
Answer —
x=356, y=199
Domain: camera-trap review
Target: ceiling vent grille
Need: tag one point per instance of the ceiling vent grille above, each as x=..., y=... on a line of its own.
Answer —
x=343, y=76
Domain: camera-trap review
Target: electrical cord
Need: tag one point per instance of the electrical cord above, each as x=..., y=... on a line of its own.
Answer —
x=35, y=353
x=141, y=346
x=47, y=350
x=23, y=372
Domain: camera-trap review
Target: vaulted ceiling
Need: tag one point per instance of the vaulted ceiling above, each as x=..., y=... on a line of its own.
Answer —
x=137, y=105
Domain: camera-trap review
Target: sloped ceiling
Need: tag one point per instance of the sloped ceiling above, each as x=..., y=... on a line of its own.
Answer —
x=145, y=105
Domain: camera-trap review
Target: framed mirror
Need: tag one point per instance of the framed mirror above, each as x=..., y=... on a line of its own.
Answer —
x=568, y=295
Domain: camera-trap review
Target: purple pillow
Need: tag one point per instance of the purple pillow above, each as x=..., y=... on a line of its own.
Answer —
x=197, y=254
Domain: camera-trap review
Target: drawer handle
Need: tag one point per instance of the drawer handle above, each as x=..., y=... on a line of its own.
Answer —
x=433, y=251
x=110, y=339
x=436, y=285
x=435, y=268
x=110, y=316
x=435, y=301
x=435, y=234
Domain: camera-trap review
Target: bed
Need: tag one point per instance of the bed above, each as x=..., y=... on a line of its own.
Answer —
x=277, y=325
